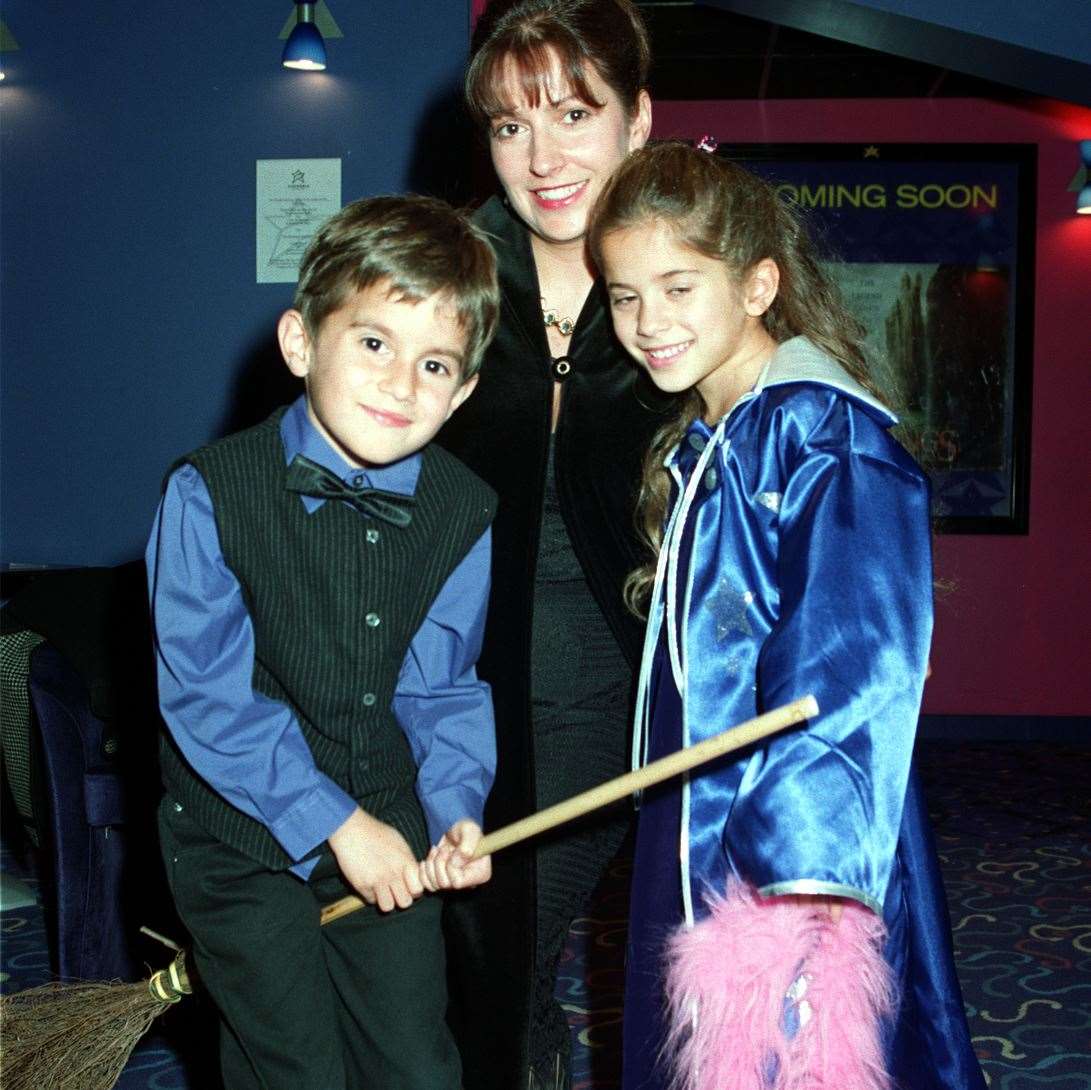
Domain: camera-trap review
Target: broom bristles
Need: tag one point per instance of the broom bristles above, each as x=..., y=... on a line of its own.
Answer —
x=79, y=1036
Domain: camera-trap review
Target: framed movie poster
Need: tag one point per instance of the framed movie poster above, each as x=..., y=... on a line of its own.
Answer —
x=933, y=248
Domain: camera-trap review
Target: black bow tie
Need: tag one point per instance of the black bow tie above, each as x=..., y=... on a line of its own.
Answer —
x=311, y=479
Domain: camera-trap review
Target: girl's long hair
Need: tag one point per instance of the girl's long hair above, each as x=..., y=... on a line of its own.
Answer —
x=729, y=214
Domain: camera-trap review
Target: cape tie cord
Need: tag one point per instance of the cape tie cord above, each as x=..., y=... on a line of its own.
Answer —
x=673, y=764
x=79, y=1036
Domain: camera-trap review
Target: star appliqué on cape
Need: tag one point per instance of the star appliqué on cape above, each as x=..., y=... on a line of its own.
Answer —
x=729, y=608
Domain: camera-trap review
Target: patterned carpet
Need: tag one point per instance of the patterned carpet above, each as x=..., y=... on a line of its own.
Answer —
x=1013, y=828
x=1012, y=823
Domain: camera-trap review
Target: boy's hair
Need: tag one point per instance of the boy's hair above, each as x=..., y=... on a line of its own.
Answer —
x=728, y=214
x=420, y=246
x=608, y=35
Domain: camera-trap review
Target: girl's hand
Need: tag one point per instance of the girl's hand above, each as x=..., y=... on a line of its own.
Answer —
x=832, y=906
x=450, y=863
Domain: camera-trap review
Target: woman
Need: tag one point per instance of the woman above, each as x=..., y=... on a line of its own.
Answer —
x=557, y=425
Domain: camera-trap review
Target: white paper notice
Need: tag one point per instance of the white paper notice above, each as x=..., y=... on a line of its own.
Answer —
x=294, y=196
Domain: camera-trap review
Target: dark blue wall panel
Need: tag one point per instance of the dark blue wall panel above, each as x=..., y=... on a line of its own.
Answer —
x=1058, y=27
x=1042, y=47
x=132, y=327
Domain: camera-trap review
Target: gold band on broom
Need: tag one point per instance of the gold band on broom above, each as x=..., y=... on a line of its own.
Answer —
x=79, y=1036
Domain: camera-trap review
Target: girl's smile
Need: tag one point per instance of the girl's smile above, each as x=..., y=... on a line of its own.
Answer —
x=658, y=358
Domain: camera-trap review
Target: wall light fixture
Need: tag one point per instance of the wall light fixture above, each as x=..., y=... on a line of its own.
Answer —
x=305, y=48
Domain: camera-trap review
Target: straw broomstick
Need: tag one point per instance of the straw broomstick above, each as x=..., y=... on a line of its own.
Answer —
x=79, y=1036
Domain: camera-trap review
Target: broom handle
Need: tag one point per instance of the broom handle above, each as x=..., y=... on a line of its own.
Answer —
x=682, y=760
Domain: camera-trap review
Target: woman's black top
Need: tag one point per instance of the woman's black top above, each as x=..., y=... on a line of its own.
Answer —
x=609, y=412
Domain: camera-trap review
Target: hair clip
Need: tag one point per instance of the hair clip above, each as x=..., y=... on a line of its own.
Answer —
x=708, y=143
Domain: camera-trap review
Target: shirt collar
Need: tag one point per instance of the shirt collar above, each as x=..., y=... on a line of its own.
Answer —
x=300, y=436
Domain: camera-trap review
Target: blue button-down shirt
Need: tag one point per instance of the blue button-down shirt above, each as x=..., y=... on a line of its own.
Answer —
x=250, y=748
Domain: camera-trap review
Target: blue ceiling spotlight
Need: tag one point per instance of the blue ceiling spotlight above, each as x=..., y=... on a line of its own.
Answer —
x=305, y=48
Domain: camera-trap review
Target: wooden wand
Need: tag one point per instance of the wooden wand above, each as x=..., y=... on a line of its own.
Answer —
x=744, y=734
x=78, y=1036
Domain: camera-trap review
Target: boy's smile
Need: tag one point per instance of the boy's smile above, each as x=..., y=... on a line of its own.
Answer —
x=383, y=373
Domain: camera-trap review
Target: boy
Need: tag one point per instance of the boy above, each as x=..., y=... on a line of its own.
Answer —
x=318, y=587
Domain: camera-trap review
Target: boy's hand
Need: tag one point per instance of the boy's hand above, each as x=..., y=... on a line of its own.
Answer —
x=376, y=861
x=450, y=865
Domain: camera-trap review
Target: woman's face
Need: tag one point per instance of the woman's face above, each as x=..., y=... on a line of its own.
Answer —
x=553, y=159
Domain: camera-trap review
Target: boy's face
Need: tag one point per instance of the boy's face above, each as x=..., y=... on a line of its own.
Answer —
x=383, y=374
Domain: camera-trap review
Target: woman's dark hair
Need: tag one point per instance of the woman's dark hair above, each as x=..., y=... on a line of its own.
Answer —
x=608, y=35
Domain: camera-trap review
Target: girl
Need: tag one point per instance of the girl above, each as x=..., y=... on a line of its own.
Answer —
x=793, y=556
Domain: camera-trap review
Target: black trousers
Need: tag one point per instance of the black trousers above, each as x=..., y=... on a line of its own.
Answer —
x=355, y=1005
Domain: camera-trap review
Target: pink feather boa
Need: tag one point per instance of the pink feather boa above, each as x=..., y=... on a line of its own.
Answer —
x=727, y=982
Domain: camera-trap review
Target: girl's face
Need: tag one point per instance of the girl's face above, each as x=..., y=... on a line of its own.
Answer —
x=554, y=158
x=684, y=316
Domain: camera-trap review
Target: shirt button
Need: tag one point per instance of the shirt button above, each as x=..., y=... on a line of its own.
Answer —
x=358, y=480
x=372, y=620
x=372, y=536
x=696, y=441
x=710, y=478
x=369, y=699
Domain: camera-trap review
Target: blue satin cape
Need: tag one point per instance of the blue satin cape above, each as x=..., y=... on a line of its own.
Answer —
x=797, y=559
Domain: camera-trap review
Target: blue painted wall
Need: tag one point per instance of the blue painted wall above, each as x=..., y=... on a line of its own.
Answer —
x=131, y=326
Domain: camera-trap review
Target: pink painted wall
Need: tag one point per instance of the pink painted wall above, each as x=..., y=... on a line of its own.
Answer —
x=1014, y=638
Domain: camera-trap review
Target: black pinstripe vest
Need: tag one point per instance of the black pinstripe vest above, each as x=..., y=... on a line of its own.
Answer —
x=335, y=598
